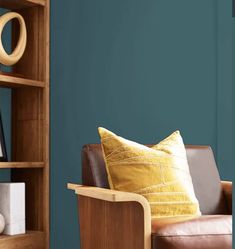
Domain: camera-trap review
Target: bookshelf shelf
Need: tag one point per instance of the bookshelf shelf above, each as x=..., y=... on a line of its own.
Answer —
x=12, y=82
x=19, y=4
x=21, y=165
x=23, y=241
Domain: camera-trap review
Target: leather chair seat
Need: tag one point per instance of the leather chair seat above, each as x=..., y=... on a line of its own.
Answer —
x=209, y=231
x=204, y=232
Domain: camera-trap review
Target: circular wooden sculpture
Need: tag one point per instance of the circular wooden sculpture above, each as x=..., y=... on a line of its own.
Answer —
x=11, y=59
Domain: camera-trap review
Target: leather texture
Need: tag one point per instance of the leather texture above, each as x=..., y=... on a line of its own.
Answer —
x=203, y=232
x=212, y=230
x=202, y=167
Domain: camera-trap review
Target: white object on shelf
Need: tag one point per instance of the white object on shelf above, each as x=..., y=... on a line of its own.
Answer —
x=2, y=223
x=12, y=207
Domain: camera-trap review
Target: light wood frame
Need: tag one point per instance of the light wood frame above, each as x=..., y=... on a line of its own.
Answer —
x=104, y=211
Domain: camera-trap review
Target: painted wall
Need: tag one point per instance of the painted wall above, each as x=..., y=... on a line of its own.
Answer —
x=233, y=78
x=225, y=82
x=5, y=108
x=142, y=69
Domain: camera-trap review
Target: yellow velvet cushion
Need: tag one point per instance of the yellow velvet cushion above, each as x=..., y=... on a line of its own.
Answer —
x=160, y=173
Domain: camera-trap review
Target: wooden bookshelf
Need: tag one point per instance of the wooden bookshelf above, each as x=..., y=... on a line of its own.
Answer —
x=18, y=4
x=30, y=122
x=13, y=81
x=21, y=165
x=32, y=239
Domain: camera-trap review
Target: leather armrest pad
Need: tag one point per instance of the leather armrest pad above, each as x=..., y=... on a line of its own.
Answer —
x=227, y=188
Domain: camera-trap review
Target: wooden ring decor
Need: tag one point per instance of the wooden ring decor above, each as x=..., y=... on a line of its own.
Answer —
x=10, y=59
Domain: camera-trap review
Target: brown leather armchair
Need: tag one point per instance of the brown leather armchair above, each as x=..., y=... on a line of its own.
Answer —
x=119, y=220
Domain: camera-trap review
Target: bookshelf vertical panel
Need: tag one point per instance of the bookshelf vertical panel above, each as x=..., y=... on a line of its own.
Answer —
x=27, y=124
x=32, y=63
x=33, y=179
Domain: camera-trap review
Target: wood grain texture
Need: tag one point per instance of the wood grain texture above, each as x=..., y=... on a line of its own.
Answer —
x=28, y=66
x=27, y=117
x=29, y=240
x=30, y=119
x=33, y=179
x=12, y=82
x=110, y=225
x=21, y=165
x=44, y=73
x=35, y=2
x=112, y=219
x=19, y=4
x=227, y=188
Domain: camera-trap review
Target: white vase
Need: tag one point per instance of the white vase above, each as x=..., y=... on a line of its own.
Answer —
x=2, y=223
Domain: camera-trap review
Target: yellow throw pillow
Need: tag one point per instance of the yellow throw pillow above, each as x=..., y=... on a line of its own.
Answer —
x=160, y=173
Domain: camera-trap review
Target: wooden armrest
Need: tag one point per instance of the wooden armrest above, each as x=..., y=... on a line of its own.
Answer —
x=108, y=194
x=227, y=187
x=123, y=209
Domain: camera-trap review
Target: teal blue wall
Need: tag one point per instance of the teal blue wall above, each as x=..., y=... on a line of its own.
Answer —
x=142, y=69
x=233, y=79
x=225, y=68
x=5, y=107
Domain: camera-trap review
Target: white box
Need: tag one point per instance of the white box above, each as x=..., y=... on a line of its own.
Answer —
x=12, y=207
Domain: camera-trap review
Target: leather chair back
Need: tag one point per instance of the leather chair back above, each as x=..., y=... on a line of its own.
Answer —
x=203, y=169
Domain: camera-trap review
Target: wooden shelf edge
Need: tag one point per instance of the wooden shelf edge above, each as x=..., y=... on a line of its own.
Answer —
x=19, y=4
x=21, y=165
x=12, y=81
x=37, y=2
x=31, y=239
x=27, y=234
